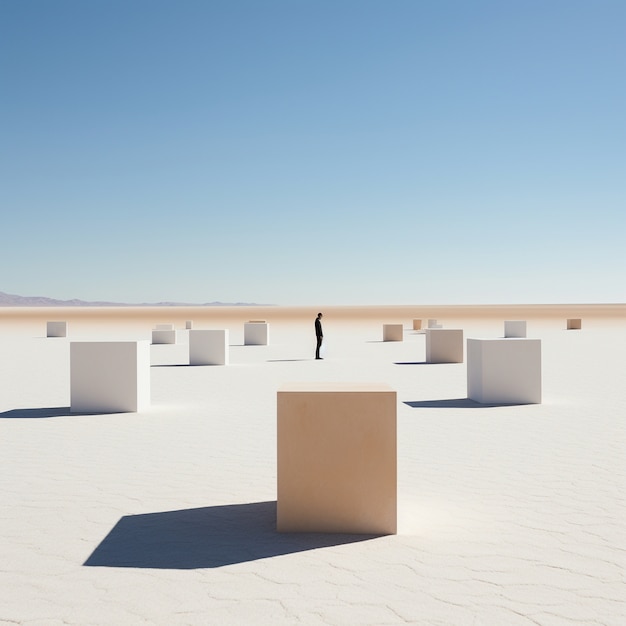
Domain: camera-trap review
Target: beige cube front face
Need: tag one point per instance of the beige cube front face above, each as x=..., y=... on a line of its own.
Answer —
x=417, y=324
x=444, y=345
x=337, y=458
x=109, y=376
x=574, y=324
x=393, y=332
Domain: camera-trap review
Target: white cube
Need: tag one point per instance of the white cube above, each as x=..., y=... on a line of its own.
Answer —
x=393, y=332
x=515, y=328
x=163, y=336
x=256, y=333
x=208, y=347
x=56, y=329
x=444, y=345
x=504, y=371
x=109, y=376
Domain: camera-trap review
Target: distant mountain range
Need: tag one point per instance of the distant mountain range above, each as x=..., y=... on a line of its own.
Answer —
x=9, y=299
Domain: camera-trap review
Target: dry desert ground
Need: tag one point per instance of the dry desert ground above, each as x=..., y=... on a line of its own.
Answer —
x=507, y=515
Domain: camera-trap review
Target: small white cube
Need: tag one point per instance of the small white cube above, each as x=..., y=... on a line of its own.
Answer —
x=515, y=329
x=504, y=371
x=208, y=347
x=256, y=333
x=56, y=329
x=163, y=336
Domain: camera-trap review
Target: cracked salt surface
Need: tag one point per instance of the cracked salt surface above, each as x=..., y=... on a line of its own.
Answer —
x=507, y=515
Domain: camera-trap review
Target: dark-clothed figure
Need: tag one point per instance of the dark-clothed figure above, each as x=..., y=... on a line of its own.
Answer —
x=319, y=335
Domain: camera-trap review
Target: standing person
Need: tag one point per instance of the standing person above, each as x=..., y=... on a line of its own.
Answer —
x=319, y=335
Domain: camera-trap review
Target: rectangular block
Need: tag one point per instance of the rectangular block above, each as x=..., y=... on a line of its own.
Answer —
x=109, y=376
x=164, y=327
x=188, y=325
x=417, y=324
x=208, y=347
x=444, y=345
x=433, y=324
x=574, y=324
x=256, y=333
x=337, y=459
x=163, y=336
x=393, y=332
x=515, y=328
x=504, y=371
x=56, y=329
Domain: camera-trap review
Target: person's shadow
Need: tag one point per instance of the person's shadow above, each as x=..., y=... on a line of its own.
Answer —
x=204, y=538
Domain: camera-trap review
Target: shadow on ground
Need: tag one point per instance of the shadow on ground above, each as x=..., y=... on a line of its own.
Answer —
x=453, y=403
x=53, y=411
x=205, y=537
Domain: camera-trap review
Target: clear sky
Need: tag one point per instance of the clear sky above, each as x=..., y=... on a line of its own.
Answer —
x=302, y=152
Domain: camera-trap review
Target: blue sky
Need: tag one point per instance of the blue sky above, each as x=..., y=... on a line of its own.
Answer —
x=303, y=152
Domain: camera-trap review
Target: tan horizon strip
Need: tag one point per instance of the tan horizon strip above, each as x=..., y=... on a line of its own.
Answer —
x=333, y=313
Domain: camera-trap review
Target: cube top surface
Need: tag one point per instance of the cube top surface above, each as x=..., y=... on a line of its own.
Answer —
x=347, y=387
x=110, y=342
x=257, y=322
x=444, y=330
x=503, y=339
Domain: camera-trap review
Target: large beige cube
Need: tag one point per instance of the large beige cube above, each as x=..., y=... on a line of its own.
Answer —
x=504, y=371
x=393, y=332
x=109, y=376
x=56, y=329
x=337, y=458
x=574, y=324
x=417, y=324
x=208, y=347
x=515, y=328
x=444, y=345
x=256, y=333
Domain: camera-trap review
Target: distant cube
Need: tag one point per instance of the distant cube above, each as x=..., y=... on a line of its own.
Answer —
x=56, y=329
x=417, y=324
x=208, y=347
x=109, y=376
x=337, y=458
x=515, y=329
x=188, y=325
x=256, y=333
x=444, y=345
x=504, y=371
x=393, y=332
x=433, y=324
x=163, y=336
x=574, y=324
